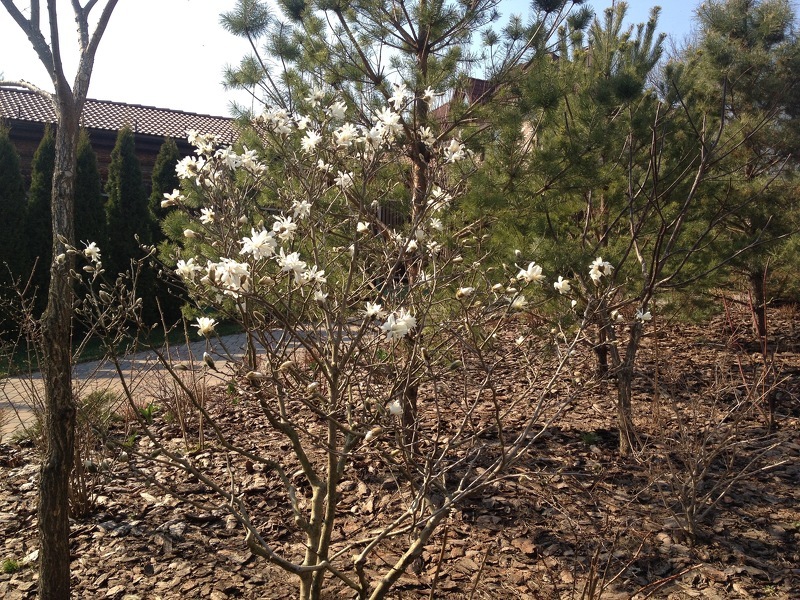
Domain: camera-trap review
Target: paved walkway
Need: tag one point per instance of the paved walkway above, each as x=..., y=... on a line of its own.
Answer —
x=21, y=397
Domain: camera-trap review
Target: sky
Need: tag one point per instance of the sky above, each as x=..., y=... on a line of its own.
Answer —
x=172, y=53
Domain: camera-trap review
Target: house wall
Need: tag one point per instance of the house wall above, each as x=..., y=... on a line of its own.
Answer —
x=26, y=136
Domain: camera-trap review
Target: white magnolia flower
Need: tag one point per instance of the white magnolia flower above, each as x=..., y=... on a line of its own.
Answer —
x=314, y=275
x=92, y=252
x=228, y=157
x=374, y=310
x=251, y=163
x=398, y=325
x=344, y=180
x=320, y=297
x=205, y=325
x=435, y=223
x=411, y=246
x=171, y=199
x=390, y=121
x=323, y=166
x=277, y=119
x=395, y=408
x=532, y=274
x=454, y=151
x=598, y=268
x=562, y=285
x=345, y=135
x=374, y=137
x=315, y=96
x=399, y=96
x=519, y=302
x=206, y=216
x=310, y=141
x=643, y=316
x=426, y=136
x=190, y=167
x=465, y=292
x=337, y=110
x=203, y=143
x=187, y=269
x=285, y=228
x=439, y=199
x=232, y=276
x=617, y=316
x=362, y=227
x=303, y=122
x=301, y=209
x=189, y=234
x=292, y=263
x=261, y=244
x=428, y=95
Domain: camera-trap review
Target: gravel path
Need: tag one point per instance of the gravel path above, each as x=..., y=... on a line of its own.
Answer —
x=20, y=396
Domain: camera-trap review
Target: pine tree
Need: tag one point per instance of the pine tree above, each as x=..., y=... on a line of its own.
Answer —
x=560, y=144
x=127, y=212
x=90, y=216
x=164, y=180
x=747, y=53
x=13, y=246
x=39, y=228
x=129, y=220
x=342, y=47
x=557, y=179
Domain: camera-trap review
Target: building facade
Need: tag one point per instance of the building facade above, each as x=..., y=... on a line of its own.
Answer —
x=26, y=114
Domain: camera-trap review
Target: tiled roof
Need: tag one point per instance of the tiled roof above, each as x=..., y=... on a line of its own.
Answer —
x=25, y=105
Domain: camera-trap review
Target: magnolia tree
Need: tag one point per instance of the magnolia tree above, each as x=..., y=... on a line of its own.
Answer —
x=285, y=242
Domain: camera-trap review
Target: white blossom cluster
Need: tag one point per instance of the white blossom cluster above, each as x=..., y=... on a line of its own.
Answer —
x=275, y=251
x=332, y=145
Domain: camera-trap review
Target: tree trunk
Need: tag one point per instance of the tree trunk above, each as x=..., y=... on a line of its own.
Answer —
x=419, y=157
x=58, y=427
x=59, y=414
x=624, y=410
x=757, y=289
x=624, y=373
x=601, y=352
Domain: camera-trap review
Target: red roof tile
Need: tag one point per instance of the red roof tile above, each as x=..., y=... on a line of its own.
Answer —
x=25, y=105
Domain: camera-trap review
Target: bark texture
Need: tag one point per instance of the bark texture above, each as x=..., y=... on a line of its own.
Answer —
x=60, y=409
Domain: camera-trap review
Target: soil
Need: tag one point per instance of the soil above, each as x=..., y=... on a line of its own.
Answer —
x=575, y=519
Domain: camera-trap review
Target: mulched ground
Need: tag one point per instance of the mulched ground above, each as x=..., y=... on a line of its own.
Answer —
x=573, y=517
